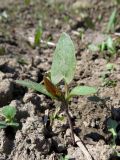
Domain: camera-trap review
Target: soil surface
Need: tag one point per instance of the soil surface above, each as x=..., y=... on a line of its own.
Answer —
x=86, y=22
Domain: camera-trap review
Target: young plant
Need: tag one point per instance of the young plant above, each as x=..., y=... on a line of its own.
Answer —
x=112, y=21
x=63, y=69
x=118, y=1
x=107, y=77
x=38, y=34
x=64, y=158
x=56, y=116
x=112, y=126
x=8, y=112
x=109, y=45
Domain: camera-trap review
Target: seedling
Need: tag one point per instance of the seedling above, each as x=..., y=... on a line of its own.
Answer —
x=109, y=45
x=112, y=22
x=38, y=35
x=63, y=69
x=81, y=33
x=8, y=112
x=110, y=67
x=106, y=77
x=64, y=158
x=56, y=115
x=112, y=125
x=108, y=82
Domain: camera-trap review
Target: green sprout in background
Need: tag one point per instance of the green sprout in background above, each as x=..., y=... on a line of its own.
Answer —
x=38, y=34
x=109, y=45
x=63, y=69
x=8, y=112
x=107, y=79
x=64, y=158
x=112, y=126
x=112, y=21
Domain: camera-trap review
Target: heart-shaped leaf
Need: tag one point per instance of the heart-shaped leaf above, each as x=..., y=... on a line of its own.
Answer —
x=64, y=60
x=8, y=112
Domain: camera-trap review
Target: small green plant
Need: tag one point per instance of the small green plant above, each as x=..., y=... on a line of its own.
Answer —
x=8, y=112
x=110, y=67
x=108, y=82
x=63, y=69
x=38, y=34
x=107, y=78
x=64, y=158
x=112, y=21
x=109, y=45
x=112, y=126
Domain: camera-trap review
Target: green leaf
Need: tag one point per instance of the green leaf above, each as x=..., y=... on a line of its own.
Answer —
x=3, y=124
x=82, y=91
x=110, y=66
x=64, y=60
x=112, y=21
x=118, y=1
x=102, y=46
x=35, y=86
x=112, y=126
x=93, y=47
x=111, y=46
x=38, y=34
x=109, y=42
x=8, y=112
x=64, y=157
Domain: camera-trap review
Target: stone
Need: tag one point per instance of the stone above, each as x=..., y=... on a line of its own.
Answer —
x=6, y=92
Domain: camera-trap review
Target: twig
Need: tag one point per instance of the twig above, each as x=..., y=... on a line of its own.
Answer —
x=117, y=34
x=50, y=44
x=83, y=148
x=30, y=40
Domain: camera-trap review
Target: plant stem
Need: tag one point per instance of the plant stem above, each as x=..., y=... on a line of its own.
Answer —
x=65, y=105
x=66, y=90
